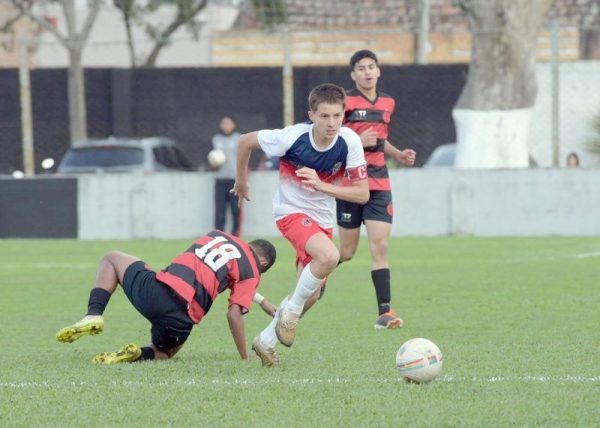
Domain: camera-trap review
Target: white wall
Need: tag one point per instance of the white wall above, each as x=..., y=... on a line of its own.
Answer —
x=579, y=101
x=427, y=202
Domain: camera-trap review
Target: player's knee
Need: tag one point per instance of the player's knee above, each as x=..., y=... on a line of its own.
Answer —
x=328, y=258
x=346, y=255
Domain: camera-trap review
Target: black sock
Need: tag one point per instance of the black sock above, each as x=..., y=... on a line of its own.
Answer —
x=99, y=298
x=381, y=281
x=147, y=354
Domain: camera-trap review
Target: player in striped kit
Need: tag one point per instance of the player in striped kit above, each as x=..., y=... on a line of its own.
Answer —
x=176, y=298
x=313, y=159
x=368, y=112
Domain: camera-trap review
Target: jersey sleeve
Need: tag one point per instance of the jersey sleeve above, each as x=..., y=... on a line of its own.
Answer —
x=276, y=142
x=242, y=293
x=356, y=165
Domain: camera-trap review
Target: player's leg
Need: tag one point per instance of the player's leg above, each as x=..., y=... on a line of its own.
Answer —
x=349, y=220
x=171, y=324
x=324, y=257
x=378, y=222
x=111, y=271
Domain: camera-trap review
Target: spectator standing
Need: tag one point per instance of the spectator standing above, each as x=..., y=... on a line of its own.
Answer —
x=227, y=140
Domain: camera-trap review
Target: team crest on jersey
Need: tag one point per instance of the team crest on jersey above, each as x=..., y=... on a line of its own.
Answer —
x=362, y=114
x=306, y=222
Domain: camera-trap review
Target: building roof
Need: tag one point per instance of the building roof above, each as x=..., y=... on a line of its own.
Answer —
x=445, y=15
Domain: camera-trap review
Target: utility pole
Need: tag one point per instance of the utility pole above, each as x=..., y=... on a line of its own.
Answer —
x=26, y=116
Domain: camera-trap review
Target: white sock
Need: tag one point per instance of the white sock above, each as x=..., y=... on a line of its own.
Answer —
x=306, y=287
x=268, y=337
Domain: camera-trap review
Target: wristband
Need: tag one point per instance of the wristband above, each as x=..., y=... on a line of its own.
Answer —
x=258, y=298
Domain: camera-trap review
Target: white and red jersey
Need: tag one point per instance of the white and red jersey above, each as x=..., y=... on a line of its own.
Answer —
x=296, y=148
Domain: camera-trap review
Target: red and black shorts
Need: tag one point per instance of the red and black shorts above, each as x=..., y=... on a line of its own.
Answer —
x=379, y=207
x=159, y=304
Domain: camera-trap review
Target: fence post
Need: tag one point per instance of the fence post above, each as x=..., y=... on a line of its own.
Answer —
x=288, y=79
x=555, y=32
x=26, y=116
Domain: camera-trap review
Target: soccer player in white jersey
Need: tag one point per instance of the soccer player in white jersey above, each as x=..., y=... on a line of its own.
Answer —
x=314, y=156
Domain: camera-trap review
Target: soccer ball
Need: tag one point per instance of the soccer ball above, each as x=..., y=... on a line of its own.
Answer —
x=216, y=158
x=419, y=360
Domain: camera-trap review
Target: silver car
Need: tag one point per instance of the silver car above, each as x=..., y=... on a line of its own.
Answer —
x=145, y=155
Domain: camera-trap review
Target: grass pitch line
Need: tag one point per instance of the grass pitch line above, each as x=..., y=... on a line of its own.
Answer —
x=587, y=255
x=48, y=265
x=317, y=381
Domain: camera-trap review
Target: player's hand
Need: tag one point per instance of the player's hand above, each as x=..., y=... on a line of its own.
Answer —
x=406, y=157
x=309, y=177
x=369, y=138
x=268, y=307
x=242, y=191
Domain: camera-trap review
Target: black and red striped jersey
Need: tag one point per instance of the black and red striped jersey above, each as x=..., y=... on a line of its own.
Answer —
x=362, y=114
x=214, y=263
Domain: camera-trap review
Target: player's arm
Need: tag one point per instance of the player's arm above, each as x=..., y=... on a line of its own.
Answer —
x=357, y=191
x=236, y=325
x=268, y=307
x=405, y=157
x=246, y=144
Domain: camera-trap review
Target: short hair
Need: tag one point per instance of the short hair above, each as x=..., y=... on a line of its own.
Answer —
x=364, y=53
x=326, y=93
x=264, y=248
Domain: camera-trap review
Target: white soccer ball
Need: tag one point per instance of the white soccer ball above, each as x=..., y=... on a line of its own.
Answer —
x=216, y=158
x=419, y=360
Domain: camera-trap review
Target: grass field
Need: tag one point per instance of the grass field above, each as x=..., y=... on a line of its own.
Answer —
x=518, y=322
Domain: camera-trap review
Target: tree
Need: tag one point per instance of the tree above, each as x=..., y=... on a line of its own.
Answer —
x=141, y=12
x=494, y=113
x=73, y=41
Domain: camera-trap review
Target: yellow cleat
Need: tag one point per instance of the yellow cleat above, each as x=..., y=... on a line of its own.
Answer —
x=90, y=324
x=127, y=354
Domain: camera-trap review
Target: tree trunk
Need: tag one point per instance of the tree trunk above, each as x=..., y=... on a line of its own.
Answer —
x=77, y=108
x=494, y=112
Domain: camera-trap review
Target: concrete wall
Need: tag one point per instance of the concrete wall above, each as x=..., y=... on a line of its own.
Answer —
x=427, y=202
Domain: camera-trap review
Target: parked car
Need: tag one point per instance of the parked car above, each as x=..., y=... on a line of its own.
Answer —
x=445, y=154
x=442, y=155
x=146, y=155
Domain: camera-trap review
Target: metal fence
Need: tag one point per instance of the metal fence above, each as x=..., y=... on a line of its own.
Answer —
x=312, y=44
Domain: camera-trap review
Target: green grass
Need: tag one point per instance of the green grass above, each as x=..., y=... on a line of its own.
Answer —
x=517, y=320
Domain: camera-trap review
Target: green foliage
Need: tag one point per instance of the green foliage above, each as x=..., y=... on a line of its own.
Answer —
x=270, y=12
x=516, y=319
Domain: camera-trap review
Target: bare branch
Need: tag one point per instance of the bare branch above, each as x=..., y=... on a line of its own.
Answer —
x=25, y=7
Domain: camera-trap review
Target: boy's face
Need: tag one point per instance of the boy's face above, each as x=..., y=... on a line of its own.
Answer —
x=327, y=119
x=365, y=74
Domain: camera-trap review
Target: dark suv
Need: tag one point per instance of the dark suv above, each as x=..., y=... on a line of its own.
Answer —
x=146, y=155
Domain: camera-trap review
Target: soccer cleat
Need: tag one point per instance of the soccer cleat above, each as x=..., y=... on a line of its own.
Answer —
x=286, y=327
x=90, y=324
x=388, y=320
x=127, y=354
x=267, y=355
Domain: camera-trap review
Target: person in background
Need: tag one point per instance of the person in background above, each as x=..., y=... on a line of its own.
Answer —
x=368, y=113
x=227, y=140
x=572, y=160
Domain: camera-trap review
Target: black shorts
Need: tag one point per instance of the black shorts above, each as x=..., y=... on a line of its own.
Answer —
x=379, y=207
x=171, y=324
